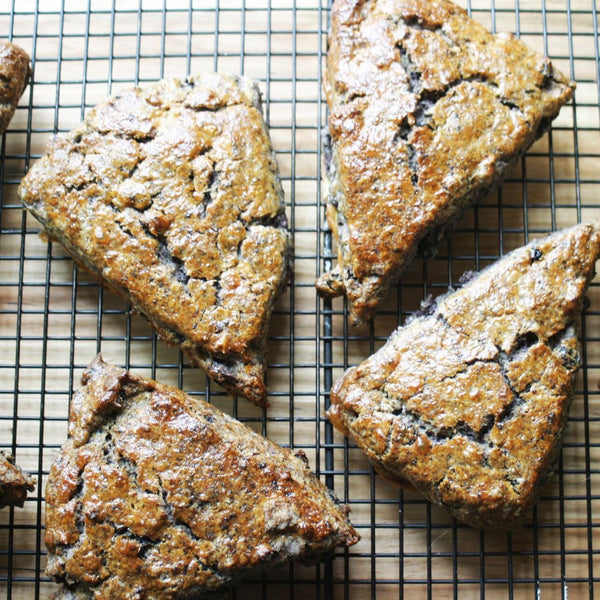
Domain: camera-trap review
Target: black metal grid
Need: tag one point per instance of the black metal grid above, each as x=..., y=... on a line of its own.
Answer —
x=53, y=318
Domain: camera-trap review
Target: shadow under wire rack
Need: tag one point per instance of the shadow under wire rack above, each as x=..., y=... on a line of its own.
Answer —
x=54, y=318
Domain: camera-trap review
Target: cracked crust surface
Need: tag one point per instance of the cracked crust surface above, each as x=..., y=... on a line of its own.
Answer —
x=15, y=72
x=469, y=402
x=171, y=196
x=427, y=110
x=158, y=495
x=14, y=482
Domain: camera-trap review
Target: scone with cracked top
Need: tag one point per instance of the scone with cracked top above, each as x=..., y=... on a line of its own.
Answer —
x=171, y=196
x=469, y=403
x=159, y=495
x=428, y=110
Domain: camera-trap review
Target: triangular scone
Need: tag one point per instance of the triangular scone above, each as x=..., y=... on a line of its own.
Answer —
x=156, y=494
x=469, y=402
x=15, y=72
x=171, y=196
x=427, y=111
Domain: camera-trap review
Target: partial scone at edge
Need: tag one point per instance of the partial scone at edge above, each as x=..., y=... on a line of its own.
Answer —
x=14, y=482
x=469, y=403
x=157, y=494
x=170, y=195
x=428, y=110
x=15, y=72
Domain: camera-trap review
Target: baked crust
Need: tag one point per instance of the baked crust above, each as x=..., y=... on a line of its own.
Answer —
x=15, y=72
x=156, y=494
x=427, y=111
x=170, y=195
x=469, y=403
x=14, y=482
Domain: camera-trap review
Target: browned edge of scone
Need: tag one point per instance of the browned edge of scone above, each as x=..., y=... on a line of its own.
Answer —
x=15, y=72
x=159, y=494
x=14, y=482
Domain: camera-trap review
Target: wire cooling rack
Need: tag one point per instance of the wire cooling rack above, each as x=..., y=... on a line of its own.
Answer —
x=54, y=318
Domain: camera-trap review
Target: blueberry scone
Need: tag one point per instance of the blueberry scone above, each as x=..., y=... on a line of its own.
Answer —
x=171, y=196
x=427, y=110
x=156, y=494
x=469, y=403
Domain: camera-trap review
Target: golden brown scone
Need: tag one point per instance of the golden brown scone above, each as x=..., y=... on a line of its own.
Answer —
x=171, y=196
x=469, y=402
x=14, y=482
x=159, y=495
x=15, y=72
x=427, y=111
